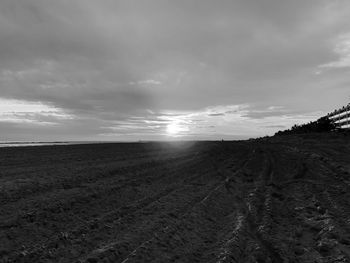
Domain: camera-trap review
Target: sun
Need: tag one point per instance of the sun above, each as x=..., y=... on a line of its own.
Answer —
x=173, y=128
x=177, y=128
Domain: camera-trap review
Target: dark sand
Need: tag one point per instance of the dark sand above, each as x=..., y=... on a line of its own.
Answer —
x=276, y=200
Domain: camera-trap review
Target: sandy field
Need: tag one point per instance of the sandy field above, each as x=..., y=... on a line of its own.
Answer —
x=281, y=199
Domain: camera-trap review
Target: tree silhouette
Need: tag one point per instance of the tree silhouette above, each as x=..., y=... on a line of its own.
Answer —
x=323, y=124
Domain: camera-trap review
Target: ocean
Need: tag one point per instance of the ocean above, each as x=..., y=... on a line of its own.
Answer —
x=23, y=144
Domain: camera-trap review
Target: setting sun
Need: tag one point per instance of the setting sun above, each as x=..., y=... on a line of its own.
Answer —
x=175, y=128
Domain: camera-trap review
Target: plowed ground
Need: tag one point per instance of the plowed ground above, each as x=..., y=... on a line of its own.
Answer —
x=276, y=200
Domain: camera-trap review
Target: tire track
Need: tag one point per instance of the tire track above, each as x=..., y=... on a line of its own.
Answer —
x=165, y=236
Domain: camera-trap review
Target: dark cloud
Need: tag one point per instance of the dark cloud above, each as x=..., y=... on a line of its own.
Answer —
x=263, y=114
x=216, y=114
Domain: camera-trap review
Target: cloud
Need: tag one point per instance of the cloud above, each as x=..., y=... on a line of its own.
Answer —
x=216, y=114
x=149, y=81
x=275, y=126
x=342, y=49
x=17, y=111
x=240, y=122
x=268, y=112
x=107, y=62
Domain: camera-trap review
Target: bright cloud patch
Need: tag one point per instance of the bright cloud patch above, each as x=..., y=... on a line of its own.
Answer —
x=226, y=121
x=342, y=48
x=233, y=120
x=20, y=111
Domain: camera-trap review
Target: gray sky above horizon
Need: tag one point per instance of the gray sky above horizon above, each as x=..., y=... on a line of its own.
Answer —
x=157, y=69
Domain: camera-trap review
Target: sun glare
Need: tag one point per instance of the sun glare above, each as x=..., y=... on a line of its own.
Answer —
x=175, y=128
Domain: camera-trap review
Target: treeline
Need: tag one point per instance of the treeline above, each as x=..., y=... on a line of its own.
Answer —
x=323, y=124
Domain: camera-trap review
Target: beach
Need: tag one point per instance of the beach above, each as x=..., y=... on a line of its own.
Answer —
x=278, y=199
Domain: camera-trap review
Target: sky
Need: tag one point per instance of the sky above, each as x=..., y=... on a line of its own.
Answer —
x=126, y=70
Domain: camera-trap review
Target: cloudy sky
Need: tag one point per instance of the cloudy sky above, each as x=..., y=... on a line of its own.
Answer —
x=162, y=69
